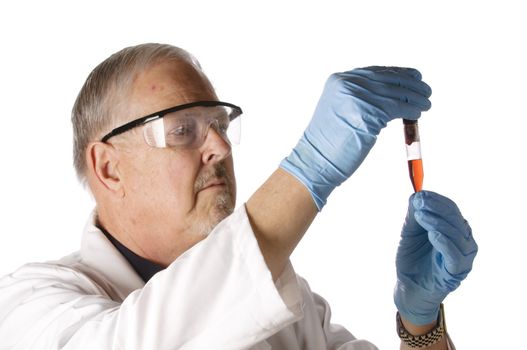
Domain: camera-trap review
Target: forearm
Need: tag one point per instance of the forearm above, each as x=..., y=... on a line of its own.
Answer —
x=280, y=212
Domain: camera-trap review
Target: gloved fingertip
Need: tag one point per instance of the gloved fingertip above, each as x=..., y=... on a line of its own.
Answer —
x=426, y=199
x=413, y=113
x=414, y=73
x=429, y=92
x=435, y=238
x=428, y=105
x=468, y=230
x=417, y=200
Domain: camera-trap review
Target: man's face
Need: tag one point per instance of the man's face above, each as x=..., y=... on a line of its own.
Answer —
x=175, y=197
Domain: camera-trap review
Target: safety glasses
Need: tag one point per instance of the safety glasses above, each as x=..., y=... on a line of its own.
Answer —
x=186, y=126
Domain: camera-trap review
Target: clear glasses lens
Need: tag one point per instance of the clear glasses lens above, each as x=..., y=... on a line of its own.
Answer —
x=188, y=128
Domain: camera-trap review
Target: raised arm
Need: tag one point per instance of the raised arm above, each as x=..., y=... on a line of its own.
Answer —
x=351, y=112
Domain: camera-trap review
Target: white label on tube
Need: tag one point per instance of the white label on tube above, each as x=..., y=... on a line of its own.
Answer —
x=413, y=151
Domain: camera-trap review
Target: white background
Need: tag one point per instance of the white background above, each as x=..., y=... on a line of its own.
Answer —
x=272, y=58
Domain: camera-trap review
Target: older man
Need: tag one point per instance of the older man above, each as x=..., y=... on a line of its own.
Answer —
x=166, y=262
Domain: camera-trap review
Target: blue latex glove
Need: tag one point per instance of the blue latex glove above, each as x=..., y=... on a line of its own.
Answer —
x=435, y=254
x=351, y=112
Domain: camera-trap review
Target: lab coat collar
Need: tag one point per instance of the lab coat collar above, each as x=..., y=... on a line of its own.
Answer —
x=106, y=261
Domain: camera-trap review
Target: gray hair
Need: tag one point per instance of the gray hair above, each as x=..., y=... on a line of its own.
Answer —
x=96, y=108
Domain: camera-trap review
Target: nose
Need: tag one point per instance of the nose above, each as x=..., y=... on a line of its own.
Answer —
x=215, y=148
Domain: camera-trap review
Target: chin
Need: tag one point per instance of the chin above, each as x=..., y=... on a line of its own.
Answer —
x=222, y=207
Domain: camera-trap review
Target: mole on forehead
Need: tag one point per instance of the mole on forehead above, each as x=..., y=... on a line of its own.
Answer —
x=163, y=83
x=174, y=86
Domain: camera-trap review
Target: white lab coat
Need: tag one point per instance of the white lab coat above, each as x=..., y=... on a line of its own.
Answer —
x=217, y=295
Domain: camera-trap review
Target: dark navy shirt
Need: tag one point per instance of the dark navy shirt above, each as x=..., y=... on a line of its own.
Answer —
x=144, y=268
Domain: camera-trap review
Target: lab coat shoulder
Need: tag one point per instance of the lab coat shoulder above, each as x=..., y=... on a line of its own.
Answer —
x=68, y=273
x=39, y=296
x=219, y=294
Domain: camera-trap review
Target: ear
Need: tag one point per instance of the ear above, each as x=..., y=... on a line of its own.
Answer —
x=103, y=163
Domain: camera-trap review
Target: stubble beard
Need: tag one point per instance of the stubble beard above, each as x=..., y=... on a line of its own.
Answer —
x=223, y=203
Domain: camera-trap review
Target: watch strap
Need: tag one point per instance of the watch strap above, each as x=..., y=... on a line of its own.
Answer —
x=424, y=340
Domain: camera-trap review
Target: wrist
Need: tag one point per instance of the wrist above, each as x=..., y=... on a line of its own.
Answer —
x=308, y=165
x=415, y=304
x=415, y=329
x=422, y=336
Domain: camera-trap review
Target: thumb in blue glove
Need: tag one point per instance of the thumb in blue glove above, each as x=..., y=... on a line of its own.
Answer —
x=351, y=112
x=435, y=254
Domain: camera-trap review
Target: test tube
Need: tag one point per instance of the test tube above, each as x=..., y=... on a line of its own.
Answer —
x=413, y=153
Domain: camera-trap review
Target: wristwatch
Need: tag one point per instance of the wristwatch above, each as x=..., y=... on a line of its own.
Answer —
x=425, y=340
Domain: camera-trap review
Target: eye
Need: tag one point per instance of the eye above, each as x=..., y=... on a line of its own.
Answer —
x=223, y=127
x=223, y=124
x=182, y=130
x=180, y=127
x=180, y=133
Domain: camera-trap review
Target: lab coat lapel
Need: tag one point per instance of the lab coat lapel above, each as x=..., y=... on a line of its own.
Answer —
x=107, y=262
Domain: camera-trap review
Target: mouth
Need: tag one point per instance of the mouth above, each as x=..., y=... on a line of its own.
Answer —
x=216, y=178
x=214, y=184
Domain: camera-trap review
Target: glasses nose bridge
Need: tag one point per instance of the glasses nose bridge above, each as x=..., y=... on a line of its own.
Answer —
x=214, y=124
x=211, y=121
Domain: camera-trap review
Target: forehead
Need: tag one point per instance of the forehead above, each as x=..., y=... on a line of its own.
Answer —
x=168, y=84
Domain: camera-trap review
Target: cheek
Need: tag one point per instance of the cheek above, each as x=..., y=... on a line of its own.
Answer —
x=163, y=182
x=173, y=181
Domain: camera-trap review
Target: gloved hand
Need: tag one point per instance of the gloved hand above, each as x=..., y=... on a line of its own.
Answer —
x=351, y=112
x=435, y=254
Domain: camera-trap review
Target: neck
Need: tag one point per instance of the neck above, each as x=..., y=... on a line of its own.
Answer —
x=148, y=241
